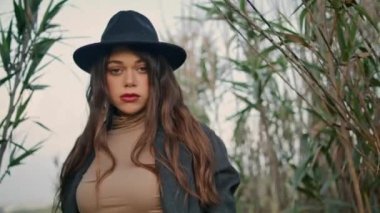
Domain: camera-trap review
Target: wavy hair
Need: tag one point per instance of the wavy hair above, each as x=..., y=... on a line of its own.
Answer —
x=166, y=109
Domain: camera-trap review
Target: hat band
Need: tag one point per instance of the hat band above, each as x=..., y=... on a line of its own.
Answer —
x=130, y=37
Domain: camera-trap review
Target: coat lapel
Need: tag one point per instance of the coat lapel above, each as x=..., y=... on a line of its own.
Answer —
x=70, y=203
x=172, y=195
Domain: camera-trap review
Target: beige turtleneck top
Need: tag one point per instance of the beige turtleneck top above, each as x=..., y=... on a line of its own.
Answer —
x=128, y=189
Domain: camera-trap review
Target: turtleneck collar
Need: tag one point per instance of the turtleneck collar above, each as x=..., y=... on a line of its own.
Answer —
x=125, y=123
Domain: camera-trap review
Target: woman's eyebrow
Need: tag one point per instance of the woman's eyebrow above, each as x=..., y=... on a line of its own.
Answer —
x=139, y=61
x=114, y=61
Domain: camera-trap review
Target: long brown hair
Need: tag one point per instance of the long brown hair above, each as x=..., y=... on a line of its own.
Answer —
x=166, y=109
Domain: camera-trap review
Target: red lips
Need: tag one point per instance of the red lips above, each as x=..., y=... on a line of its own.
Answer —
x=129, y=97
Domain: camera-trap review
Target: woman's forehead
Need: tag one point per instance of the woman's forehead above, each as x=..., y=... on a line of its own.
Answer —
x=124, y=56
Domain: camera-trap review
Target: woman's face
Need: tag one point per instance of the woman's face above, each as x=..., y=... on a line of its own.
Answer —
x=127, y=81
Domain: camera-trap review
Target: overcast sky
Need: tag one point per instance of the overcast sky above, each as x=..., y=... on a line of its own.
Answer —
x=62, y=106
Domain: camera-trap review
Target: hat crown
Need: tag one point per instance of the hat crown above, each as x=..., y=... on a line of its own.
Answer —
x=129, y=26
x=132, y=29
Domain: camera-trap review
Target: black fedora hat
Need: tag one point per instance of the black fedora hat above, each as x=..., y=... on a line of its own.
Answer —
x=133, y=29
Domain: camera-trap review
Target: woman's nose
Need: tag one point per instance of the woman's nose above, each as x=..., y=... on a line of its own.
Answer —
x=129, y=78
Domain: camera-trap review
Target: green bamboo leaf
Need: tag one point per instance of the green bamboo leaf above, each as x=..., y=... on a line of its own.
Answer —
x=5, y=47
x=219, y=3
x=240, y=124
x=326, y=150
x=281, y=28
x=204, y=74
x=314, y=112
x=304, y=4
x=49, y=14
x=45, y=21
x=39, y=50
x=19, y=118
x=35, y=5
x=302, y=20
x=371, y=63
x=352, y=31
x=53, y=58
x=36, y=78
x=245, y=67
x=363, y=13
x=264, y=53
x=247, y=109
x=243, y=5
x=336, y=5
x=248, y=102
x=15, y=161
x=17, y=146
x=2, y=123
x=12, y=154
x=243, y=85
x=341, y=29
x=313, y=67
x=202, y=7
x=9, y=35
x=19, y=121
x=56, y=8
x=302, y=169
x=211, y=10
x=20, y=146
x=42, y=125
x=282, y=25
x=37, y=87
x=51, y=26
x=5, y=79
x=20, y=17
x=238, y=86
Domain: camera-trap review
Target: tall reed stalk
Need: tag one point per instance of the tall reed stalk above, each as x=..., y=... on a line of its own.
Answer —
x=307, y=136
x=24, y=43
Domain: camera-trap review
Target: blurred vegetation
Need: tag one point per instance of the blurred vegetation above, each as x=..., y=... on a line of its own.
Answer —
x=306, y=79
x=42, y=210
x=24, y=43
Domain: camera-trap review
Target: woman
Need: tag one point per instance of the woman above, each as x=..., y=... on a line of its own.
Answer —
x=142, y=150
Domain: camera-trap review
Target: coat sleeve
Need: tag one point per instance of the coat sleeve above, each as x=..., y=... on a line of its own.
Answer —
x=226, y=177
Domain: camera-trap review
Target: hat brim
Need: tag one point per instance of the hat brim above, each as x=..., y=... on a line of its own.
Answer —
x=85, y=56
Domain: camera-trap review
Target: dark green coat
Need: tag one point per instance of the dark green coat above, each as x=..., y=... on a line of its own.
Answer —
x=172, y=195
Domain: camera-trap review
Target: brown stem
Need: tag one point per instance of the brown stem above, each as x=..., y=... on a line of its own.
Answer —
x=273, y=162
x=351, y=168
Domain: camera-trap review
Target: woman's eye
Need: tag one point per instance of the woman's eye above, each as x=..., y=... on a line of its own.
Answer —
x=115, y=71
x=142, y=69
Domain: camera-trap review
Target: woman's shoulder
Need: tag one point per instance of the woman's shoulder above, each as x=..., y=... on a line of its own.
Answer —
x=216, y=142
x=227, y=178
x=210, y=132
